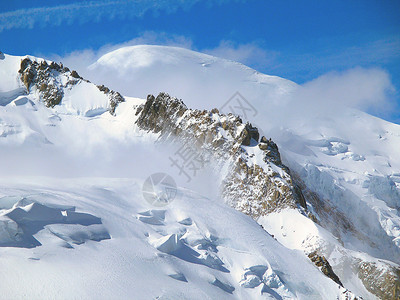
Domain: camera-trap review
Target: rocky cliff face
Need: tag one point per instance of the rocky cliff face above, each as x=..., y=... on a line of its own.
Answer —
x=255, y=187
x=382, y=281
x=50, y=81
x=325, y=267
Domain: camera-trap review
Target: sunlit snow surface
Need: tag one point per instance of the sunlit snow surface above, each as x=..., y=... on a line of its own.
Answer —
x=195, y=247
x=183, y=251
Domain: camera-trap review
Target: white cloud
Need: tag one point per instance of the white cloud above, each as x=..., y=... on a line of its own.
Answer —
x=86, y=11
x=304, y=65
x=379, y=51
x=367, y=89
x=249, y=54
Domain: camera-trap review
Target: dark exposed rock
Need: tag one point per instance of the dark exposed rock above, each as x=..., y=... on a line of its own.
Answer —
x=322, y=263
x=300, y=196
x=103, y=89
x=55, y=66
x=249, y=133
x=40, y=76
x=263, y=146
x=271, y=151
x=28, y=77
x=43, y=77
x=264, y=140
x=115, y=97
x=75, y=74
x=157, y=114
x=24, y=64
x=312, y=217
x=382, y=282
x=43, y=66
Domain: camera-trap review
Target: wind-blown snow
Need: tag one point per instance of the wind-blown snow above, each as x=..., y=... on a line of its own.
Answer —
x=184, y=250
x=201, y=80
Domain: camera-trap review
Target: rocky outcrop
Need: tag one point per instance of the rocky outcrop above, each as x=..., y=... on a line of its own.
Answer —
x=115, y=97
x=322, y=263
x=42, y=77
x=382, y=281
x=253, y=187
x=51, y=79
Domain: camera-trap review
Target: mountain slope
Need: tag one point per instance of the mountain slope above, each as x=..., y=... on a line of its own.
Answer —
x=141, y=259
x=99, y=237
x=345, y=159
x=251, y=193
x=353, y=209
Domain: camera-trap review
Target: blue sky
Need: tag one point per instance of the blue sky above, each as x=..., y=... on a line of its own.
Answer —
x=297, y=40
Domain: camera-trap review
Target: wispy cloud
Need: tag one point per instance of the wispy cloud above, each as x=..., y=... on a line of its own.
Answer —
x=251, y=54
x=367, y=89
x=86, y=11
x=304, y=66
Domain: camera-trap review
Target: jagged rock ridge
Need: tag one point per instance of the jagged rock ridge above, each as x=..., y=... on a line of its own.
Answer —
x=50, y=80
x=226, y=139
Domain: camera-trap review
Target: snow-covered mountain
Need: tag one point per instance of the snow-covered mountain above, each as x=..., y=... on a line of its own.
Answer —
x=325, y=189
